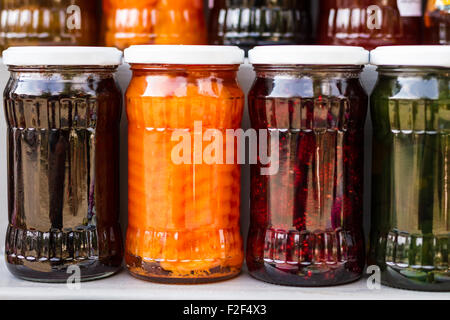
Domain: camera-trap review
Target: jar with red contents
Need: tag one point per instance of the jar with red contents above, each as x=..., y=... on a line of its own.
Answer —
x=370, y=23
x=307, y=206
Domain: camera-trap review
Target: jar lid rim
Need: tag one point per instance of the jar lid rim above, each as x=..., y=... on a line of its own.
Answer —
x=415, y=56
x=309, y=55
x=62, y=56
x=184, y=54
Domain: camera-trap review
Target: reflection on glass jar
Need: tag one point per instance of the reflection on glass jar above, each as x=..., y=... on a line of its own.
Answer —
x=63, y=162
x=183, y=217
x=370, y=23
x=132, y=22
x=51, y=22
x=437, y=22
x=248, y=23
x=306, y=220
x=411, y=150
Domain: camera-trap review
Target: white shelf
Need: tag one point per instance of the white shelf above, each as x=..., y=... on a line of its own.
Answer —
x=123, y=287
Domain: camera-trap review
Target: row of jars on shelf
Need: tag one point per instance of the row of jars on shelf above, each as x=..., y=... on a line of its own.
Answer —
x=307, y=109
x=367, y=23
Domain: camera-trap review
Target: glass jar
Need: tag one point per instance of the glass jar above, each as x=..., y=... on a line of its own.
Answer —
x=370, y=23
x=410, y=109
x=133, y=22
x=183, y=214
x=306, y=224
x=51, y=22
x=437, y=22
x=62, y=108
x=248, y=23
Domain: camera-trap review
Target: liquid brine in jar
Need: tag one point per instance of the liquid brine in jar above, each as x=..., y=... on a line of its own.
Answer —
x=135, y=22
x=410, y=110
x=51, y=22
x=63, y=108
x=306, y=215
x=184, y=198
x=248, y=23
x=369, y=23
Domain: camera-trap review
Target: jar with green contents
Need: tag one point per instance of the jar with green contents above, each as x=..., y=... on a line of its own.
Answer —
x=410, y=108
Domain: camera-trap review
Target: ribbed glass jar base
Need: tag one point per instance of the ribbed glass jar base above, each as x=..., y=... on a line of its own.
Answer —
x=308, y=259
x=414, y=261
x=50, y=256
x=154, y=271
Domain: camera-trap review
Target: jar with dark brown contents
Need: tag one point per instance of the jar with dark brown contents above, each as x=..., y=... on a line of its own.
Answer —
x=248, y=23
x=63, y=107
x=49, y=22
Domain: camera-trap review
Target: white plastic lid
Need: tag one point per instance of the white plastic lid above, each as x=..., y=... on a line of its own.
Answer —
x=434, y=56
x=62, y=56
x=184, y=54
x=309, y=55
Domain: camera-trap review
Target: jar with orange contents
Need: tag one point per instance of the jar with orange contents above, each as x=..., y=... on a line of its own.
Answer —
x=134, y=22
x=183, y=214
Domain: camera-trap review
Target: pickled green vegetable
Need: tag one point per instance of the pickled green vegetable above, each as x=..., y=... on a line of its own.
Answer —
x=410, y=237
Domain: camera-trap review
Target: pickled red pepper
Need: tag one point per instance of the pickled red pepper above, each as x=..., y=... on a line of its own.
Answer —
x=183, y=218
x=133, y=22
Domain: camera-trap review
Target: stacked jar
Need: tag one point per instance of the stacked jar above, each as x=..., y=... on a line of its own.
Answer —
x=251, y=23
x=135, y=22
x=51, y=22
x=370, y=23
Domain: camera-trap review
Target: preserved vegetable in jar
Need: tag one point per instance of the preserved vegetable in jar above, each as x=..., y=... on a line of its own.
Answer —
x=133, y=22
x=183, y=214
x=63, y=108
x=369, y=23
x=306, y=224
x=51, y=22
x=437, y=22
x=248, y=23
x=410, y=109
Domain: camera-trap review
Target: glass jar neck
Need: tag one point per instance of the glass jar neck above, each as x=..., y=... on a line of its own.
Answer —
x=396, y=71
x=329, y=71
x=63, y=69
x=198, y=69
x=62, y=73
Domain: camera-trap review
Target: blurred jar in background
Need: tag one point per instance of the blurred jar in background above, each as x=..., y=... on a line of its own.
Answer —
x=130, y=22
x=248, y=23
x=437, y=22
x=49, y=22
x=370, y=23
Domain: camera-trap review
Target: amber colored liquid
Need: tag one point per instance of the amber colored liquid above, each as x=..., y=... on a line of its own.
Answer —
x=135, y=22
x=306, y=220
x=33, y=22
x=348, y=22
x=183, y=218
x=63, y=175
